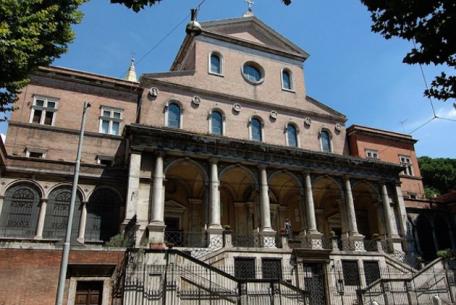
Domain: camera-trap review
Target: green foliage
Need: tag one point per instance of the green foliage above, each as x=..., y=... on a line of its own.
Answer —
x=430, y=25
x=32, y=33
x=118, y=240
x=431, y=192
x=447, y=253
x=137, y=5
x=439, y=174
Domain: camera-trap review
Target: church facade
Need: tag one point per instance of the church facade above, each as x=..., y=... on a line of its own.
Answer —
x=225, y=159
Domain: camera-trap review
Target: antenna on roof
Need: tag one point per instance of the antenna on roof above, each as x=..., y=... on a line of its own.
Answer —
x=249, y=12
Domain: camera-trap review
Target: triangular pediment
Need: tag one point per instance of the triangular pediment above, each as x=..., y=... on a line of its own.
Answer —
x=253, y=30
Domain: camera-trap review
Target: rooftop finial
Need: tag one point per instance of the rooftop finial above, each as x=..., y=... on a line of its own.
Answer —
x=249, y=12
x=131, y=74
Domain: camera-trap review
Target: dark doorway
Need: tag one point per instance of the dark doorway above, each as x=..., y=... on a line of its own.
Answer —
x=244, y=268
x=173, y=234
x=314, y=283
x=89, y=293
x=426, y=240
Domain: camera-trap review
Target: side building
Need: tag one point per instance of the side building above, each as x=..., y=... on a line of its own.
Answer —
x=219, y=181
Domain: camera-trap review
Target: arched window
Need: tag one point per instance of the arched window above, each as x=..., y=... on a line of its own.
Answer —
x=256, y=129
x=286, y=80
x=216, y=123
x=174, y=115
x=20, y=211
x=57, y=212
x=103, y=215
x=216, y=64
x=325, y=140
x=292, y=135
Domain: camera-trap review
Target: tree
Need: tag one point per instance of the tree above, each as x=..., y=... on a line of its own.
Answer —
x=137, y=5
x=430, y=25
x=32, y=33
x=439, y=174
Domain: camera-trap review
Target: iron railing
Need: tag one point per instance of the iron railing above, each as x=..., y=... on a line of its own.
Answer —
x=186, y=239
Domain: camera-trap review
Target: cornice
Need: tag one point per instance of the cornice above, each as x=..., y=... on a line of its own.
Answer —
x=146, y=82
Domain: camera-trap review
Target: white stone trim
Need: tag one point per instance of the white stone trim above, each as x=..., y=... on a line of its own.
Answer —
x=222, y=63
x=290, y=73
x=73, y=285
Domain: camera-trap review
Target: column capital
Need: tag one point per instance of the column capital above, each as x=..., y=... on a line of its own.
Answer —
x=262, y=166
x=346, y=177
x=213, y=160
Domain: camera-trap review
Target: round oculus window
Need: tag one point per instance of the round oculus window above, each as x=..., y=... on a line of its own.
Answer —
x=252, y=72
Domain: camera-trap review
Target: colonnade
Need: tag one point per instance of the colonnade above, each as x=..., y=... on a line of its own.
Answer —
x=353, y=240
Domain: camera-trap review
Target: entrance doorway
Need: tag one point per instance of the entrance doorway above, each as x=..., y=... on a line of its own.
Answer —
x=89, y=293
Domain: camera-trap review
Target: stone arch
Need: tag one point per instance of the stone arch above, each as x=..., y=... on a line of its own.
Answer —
x=329, y=205
x=288, y=189
x=103, y=214
x=240, y=199
x=19, y=214
x=81, y=192
x=368, y=209
x=38, y=186
x=185, y=186
x=442, y=232
x=57, y=212
x=426, y=239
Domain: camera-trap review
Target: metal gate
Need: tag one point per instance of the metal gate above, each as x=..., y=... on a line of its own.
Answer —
x=314, y=283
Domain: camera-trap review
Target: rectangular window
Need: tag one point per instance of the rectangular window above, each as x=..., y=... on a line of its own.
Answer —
x=110, y=120
x=371, y=271
x=43, y=111
x=351, y=273
x=271, y=268
x=244, y=268
x=406, y=163
x=371, y=154
x=35, y=153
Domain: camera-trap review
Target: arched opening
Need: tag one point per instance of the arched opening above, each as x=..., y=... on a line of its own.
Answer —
x=256, y=129
x=292, y=135
x=185, y=206
x=215, y=63
x=174, y=115
x=19, y=214
x=103, y=215
x=426, y=240
x=368, y=210
x=239, y=206
x=325, y=141
x=286, y=202
x=286, y=80
x=57, y=211
x=328, y=199
x=216, y=123
x=442, y=232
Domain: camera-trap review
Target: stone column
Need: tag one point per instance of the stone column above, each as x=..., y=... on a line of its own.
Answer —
x=215, y=230
x=356, y=240
x=401, y=211
x=267, y=233
x=157, y=224
x=41, y=219
x=82, y=223
x=313, y=236
x=394, y=240
x=133, y=186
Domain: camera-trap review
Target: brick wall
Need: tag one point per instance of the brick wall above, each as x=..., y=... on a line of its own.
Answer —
x=29, y=277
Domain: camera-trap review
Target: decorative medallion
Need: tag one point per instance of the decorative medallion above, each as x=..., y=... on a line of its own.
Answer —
x=237, y=107
x=338, y=127
x=273, y=114
x=307, y=121
x=153, y=92
x=196, y=100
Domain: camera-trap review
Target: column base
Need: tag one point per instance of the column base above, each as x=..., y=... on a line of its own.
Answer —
x=314, y=240
x=353, y=242
x=395, y=244
x=156, y=234
x=215, y=237
x=267, y=238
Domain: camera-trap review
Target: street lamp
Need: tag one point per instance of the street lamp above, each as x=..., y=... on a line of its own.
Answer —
x=66, y=244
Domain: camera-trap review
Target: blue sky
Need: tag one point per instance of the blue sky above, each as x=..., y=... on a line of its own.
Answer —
x=351, y=69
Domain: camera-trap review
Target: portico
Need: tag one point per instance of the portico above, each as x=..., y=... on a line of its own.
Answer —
x=196, y=187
